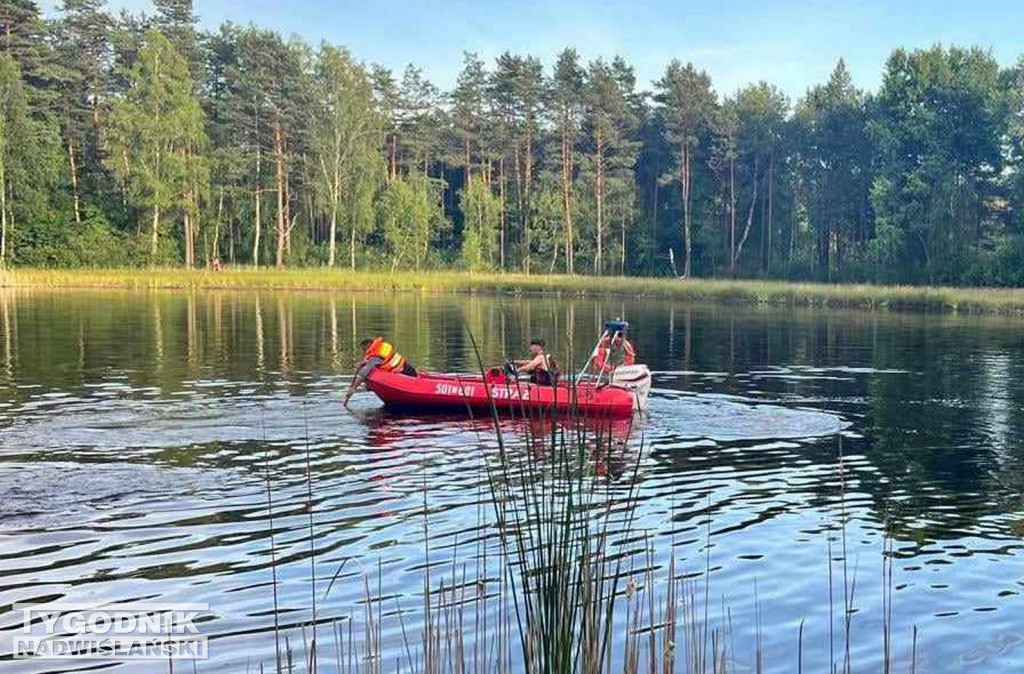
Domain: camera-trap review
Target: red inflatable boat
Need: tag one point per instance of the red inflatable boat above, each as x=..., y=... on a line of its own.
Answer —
x=599, y=391
x=477, y=393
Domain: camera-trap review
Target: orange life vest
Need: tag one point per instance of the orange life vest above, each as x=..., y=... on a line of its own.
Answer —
x=393, y=361
x=604, y=348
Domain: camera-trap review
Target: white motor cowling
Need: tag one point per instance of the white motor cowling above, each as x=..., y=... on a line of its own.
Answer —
x=637, y=380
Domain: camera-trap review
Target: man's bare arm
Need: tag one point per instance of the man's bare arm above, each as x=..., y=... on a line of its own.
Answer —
x=361, y=374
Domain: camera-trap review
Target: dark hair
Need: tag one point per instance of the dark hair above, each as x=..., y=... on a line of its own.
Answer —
x=365, y=343
x=538, y=342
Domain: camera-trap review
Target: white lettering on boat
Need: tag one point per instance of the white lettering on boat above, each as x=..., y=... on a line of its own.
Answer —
x=510, y=393
x=453, y=390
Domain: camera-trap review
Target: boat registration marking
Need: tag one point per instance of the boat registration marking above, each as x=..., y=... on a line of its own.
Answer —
x=497, y=391
x=508, y=393
x=453, y=390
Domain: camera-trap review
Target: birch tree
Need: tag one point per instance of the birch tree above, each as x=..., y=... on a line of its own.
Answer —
x=347, y=134
x=158, y=129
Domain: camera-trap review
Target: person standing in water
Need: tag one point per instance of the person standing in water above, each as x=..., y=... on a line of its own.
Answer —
x=378, y=353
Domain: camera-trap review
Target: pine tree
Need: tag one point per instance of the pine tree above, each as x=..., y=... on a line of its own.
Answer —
x=519, y=91
x=833, y=158
x=468, y=109
x=688, y=104
x=417, y=122
x=177, y=20
x=567, y=103
x=610, y=125
x=84, y=49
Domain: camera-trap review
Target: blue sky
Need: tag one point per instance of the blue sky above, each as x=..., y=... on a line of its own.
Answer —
x=789, y=43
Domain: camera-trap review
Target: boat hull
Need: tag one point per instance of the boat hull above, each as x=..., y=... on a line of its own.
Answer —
x=469, y=393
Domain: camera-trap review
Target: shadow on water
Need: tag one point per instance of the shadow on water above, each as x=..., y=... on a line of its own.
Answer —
x=135, y=427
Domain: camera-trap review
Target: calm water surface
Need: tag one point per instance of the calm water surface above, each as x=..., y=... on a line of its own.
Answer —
x=136, y=430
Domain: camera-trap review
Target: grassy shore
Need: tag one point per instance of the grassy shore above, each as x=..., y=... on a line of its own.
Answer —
x=1007, y=301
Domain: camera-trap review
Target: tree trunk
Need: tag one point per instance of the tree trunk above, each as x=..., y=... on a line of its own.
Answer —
x=256, y=237
x=279, y=173
x=517, y=169
x=3, y=213
x=750, y=218
x=188, y=235
x=684, y=178
x=186, y=231
x=124, y=188
x=771, y=190
x=732, y=215
x=196, y=221
x=622, y=257
x=527, y=196
x=567, y=196
x=501, y=233
x=156, y=228
x=289, y=221
x=352, y=247
x=653, y=247
x=74, y=183
x=215, y=253
x=599, y=260
x=257, y=197
x=333, y=233
x=394, y=157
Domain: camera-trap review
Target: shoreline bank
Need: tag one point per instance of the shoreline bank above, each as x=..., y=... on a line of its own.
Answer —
x=1001, y=301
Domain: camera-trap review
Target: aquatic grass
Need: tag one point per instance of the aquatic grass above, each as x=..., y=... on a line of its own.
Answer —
x=1005, y=301
x=660, y=616
x=569, y=585
x=545, y=497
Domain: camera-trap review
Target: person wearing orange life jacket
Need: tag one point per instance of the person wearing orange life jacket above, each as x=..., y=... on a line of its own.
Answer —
x=378, y=353
x=612, y=352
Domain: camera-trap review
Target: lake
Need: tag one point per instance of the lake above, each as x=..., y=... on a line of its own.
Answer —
x=139, y=432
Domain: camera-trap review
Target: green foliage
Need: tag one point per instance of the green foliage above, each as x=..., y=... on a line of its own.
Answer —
x=346, y=145
x=481, y=217
x=833, y=151
x=157, y=133
x=135, y=139
x=938, y=127
x=410, y=218
x=26, y=158
x=687, y=109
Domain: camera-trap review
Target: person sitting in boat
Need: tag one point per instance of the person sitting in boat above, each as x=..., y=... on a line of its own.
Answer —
x=613, y=352
x=378, y=353
x=540, y=366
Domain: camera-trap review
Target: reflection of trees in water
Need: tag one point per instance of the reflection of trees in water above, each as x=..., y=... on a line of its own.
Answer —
x=935, y=434
x=944, y=432
x=7, y=306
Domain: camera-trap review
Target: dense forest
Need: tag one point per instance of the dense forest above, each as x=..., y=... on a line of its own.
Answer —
x=131, y=140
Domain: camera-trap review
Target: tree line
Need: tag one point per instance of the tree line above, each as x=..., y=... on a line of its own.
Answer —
x=143, y=140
